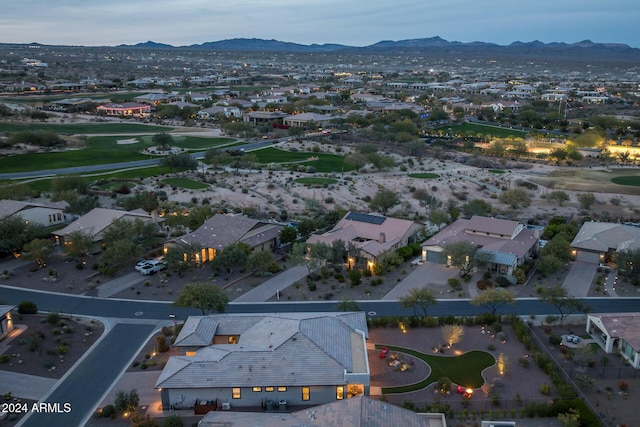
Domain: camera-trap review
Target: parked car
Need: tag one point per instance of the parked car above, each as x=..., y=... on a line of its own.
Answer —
x=150, y=267
x=573, y=339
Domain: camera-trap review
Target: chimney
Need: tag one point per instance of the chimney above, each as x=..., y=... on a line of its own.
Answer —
x=382, y=238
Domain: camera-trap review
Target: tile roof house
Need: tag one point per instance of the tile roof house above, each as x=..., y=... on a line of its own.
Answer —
x=617, y=333
x=360, y=411
x=374, y=235
x=37, y=213
x=266, y=360
x=510, y=242
x=96, y=221
x=221, y=230
x=598, y=241
x=300, y=120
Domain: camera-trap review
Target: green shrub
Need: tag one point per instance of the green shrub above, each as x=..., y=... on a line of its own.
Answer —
x=173, y=421
x=555, y=339
x=27, y=307
x=53, y=318
x=108, y=411
x=545, y=389
x=4, y=358
x=273, y=268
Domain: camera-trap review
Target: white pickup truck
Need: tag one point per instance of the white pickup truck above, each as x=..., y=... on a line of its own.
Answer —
x=150, y=266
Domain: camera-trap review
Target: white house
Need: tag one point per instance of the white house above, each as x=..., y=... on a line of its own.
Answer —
x=617, y=333
x=46, y=215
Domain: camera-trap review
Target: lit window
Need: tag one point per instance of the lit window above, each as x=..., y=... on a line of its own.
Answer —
x=235, y=392
x=190, y=353
x=281, y=388
x=268, y=389
x=340, y=392
x=305, y=393
x=257, y=389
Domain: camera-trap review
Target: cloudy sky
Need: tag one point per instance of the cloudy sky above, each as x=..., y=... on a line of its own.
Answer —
x=350, y=22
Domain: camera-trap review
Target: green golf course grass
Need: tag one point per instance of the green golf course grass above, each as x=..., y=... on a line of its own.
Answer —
x=476, y=128
x=186, y=183
x=325, y=162
x=84, y=128
x=633, y=181
x=424, y=175
x=465, y=370
x=496, y=171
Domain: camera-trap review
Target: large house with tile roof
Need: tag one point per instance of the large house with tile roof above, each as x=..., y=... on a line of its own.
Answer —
x=96, y=221
x=267, y=360
x=509, y=243
x=221, y=230
x=373, y=235
x=617, y=333
x=598, y=242
x=46, y=215
x=360, y=411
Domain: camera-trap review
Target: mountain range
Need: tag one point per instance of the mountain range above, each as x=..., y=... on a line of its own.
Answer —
x=585, y=49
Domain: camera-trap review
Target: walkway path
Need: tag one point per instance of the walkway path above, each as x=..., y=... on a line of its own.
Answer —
x=271, y=287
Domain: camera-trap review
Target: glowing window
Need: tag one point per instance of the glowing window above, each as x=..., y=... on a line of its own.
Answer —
x=257, y=389
x=340, y=392
x=235, y=392
x=268, y=389
x=281, y=388
x=305, y=393
x=190, y=353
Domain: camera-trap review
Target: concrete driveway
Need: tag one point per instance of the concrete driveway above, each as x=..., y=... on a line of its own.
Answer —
x=579, y=279
x=428, y=272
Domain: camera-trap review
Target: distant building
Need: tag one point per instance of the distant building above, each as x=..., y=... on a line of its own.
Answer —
x=126, y=109
x=42, y=214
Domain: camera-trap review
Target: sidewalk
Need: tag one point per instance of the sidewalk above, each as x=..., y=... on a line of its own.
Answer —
x=269, y=288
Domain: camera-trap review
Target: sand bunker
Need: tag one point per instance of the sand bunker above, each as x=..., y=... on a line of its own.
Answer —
x=127, y=141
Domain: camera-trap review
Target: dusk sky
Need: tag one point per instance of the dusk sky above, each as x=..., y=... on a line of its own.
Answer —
x=350, y=22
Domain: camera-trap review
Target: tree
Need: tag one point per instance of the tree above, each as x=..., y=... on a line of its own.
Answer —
x=38, y=250
x=145, y=200
x=558, y=297
x=313, y=255
x=288, y=235
x=234, y=255
x=163, y=141
x=346, y=304
x=477, y=207
x=202, y=296
x=548, y=265
x=179, y=162
x=515, y=198
x=355, y=277
x=81, y=205
x=629, y=263
x=259, y=261
x=460, y=255
x=558, y=196
x=126, y=401
x=182, y=257
x=586, y=200
x=382, y=162
x=623, y=156
x=14, y=234
x=571, y=418
x=438, y=217
x=306, y=227
x=493, y=299
x=419, y=299
x=384, y=200
x=452, y=334
x=77, y=244
x=357, y=160
x=121, y=251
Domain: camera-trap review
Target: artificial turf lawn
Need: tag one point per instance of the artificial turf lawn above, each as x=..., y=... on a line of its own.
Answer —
x=465, y=370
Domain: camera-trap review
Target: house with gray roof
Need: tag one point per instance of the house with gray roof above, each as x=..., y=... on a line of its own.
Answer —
x=372, y=234
x=598, y=242
x=360, y=411
x=96, y=221
x=617, y=333
x=47, y=215
x=221, y=230
x=266, y=361
x=509, y=243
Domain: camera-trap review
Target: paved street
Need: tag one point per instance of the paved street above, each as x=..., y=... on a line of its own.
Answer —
x=87, y=383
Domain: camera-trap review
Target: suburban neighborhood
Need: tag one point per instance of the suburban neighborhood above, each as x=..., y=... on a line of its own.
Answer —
x=240, y=238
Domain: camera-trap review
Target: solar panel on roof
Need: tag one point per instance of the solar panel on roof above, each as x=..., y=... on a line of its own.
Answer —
x=363, y=217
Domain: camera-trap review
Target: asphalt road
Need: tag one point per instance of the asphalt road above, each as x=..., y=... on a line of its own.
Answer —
x=94, y=375
x=151, y=310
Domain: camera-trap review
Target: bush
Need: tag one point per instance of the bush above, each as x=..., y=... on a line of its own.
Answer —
x=622, y=385
x=502, y=282
x=555, y=339
x=27, y=307
x=273, y=268
x=53, y=318
x=173, y=421
x=545, y=389
x=108, y=411
x=484, y=284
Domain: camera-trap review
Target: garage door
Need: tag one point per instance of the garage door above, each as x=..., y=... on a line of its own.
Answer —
x=433, y=256
x=592, y=257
